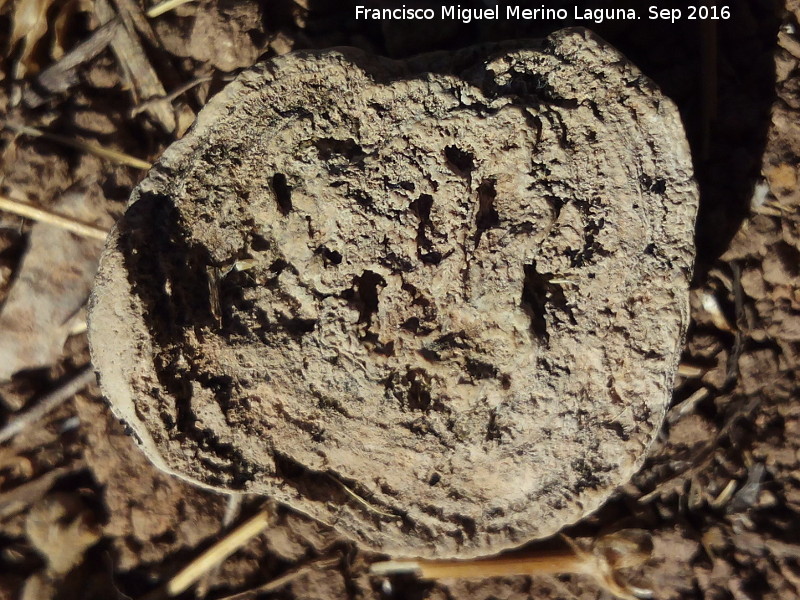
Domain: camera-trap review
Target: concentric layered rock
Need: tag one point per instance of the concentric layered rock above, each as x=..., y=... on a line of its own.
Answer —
x=438, y=303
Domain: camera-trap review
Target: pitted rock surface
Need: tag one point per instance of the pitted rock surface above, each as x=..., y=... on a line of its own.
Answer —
x=438, y=303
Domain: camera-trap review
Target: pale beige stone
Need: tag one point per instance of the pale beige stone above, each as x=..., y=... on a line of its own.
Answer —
x=463, y=299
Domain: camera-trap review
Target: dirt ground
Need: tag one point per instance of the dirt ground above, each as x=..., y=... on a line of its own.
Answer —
x=82, y=512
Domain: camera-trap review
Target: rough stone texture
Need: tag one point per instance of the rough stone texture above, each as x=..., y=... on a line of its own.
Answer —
x=438, y=303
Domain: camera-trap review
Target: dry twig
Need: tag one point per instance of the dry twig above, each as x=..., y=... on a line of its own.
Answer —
x=59, y=77
x=50, y=402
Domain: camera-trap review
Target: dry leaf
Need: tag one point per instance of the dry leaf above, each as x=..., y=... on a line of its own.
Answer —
x=60, y=527
x=782, y=178
x=39, y=587
x=51, y=286
x=60, y=27
x=30, y=25
x=14, y=465
x=747, y=495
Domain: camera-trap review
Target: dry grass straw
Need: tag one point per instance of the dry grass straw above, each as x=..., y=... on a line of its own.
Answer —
x=220, y=550
x=102, y=152
x=45, y=216
x=166, y=6
x=285, y=579
x=609, y=554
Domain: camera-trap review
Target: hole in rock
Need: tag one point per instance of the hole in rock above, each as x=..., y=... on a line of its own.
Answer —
x=283, y=193
x=459, y=161
x=487, y=216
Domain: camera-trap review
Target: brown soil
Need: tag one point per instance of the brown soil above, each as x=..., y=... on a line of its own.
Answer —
x=84, y=514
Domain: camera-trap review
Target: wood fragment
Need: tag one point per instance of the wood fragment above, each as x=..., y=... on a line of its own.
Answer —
x=688, y=405
x=61, y=76
x=690, y=371
x=137, y=24
x=777, y=206
x=221, y=550
x=696, y=495
x=21, y=497
x=142, y=77
x=135, y=20
x=107, y=153
x=51, y=218
x=49, y=403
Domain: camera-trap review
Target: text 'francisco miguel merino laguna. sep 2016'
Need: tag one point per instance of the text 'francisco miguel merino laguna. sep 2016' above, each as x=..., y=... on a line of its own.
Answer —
x=456, y=12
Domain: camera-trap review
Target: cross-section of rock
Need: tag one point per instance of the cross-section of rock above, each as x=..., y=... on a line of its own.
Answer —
x=436, y=303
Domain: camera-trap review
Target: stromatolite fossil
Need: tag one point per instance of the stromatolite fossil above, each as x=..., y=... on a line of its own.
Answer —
x=455, y=287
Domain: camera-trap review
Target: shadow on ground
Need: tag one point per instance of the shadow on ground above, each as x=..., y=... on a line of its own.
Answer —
x=719, y=72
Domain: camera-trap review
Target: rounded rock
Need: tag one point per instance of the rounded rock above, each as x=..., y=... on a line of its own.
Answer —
x=436, y=303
